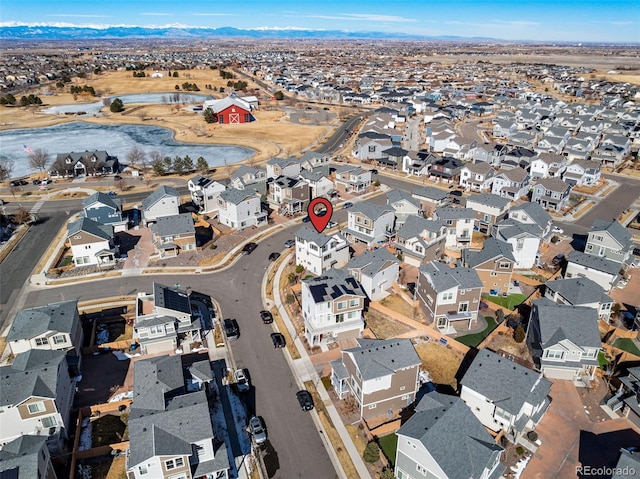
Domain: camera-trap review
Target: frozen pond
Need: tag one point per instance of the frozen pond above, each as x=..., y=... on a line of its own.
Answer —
x=153, y=98
x=117, y=140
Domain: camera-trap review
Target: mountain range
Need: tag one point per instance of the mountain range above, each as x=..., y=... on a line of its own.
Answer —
x=48, y=32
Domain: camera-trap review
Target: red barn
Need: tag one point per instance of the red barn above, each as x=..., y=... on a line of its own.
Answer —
x=231, y=110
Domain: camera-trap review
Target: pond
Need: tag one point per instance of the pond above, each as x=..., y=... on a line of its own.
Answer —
x=82, y=109
x=117, y=140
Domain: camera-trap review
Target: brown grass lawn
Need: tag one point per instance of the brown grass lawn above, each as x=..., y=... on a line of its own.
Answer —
x=109, y=469
x=442, y=363
x=399, y=305
x=356, y=437
x=383, y=326
x=3, y=344
x=109, y=429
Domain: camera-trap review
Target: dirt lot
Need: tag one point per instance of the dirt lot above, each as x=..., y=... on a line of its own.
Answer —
x=383, y=326
x=399, y=305
x=442, y=363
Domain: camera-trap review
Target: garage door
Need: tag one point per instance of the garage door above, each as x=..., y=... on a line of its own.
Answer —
x=410, y=260
x=160, y=347
x=559, y=373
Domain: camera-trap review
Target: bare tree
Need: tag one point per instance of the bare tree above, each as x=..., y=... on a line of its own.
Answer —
x=6, y=168
x=155, y=156
x=21, y=216
x=121, y=184
x=38, y=159
x=136, y=156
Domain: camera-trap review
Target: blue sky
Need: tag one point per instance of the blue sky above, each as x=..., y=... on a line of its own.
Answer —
x=546, y=20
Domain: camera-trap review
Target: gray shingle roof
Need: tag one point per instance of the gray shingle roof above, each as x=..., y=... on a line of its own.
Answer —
x=60, y=317
x=489, y=199
x=383, y=357
x=492, y=249
x=101, y=197
x=174, y=225
x=454, y=437
x=510, y=228
x=282, y=162
x=157, y=195
x=628, y=461
x=430, y=193
x=371, y=262
x=443, y=277
x=92, y=227
x=414, y=226
x=536, y=212
x=394, y=196
x=579, y=291
x=616, y=230
x=332, y=285
x=452, y=213
x=370, y=210
x=507, y=384
x=311, y=235
x=578, y=324
x=234, y=196
x=553, y=184
x=21, y=456
x=594, y=262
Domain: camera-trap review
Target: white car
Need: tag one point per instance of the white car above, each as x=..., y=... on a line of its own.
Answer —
x=557, y=230
x=241, y=380
x=257, y=430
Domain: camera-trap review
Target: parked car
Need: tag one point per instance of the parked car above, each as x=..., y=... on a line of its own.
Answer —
x=241, y=379
x=305, y=400
x=331, y=224
x=374, y=172
x=112, y=193
x=306, y=219
x=37, y=182
x=267, y=317
x=289, y=243
x=455, y=193
x=231, y=329
x=257, y=430
x=274, y=256
x=249, y=247
x=47, y=181
x=19, y=183
x=117, y=177
x=411, y=287
x=348, y=204
x=278, y=340
x=557, y=259
x=557, y=230
x=623, y=282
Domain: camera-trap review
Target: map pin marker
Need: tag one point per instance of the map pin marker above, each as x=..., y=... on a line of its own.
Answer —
x=320, y=211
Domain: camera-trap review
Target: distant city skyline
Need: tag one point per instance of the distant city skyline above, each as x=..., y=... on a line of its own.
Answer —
x=615, y=21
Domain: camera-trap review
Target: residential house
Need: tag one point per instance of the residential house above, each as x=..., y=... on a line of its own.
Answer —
x=599, y=269
x=421, y=241
x=289, y=196
x=392, y=157
x=525, y=240
x=54, y=327
x=332, y=306
x=315, y=162
x=551, y=193
x=417, y=163
x=494, y=264
x=460, y=224
x=319, y=252
x=283, y=167
x=430, y=198
x=376, y=271
x=446, y=170
x=240, y=209
x=370, y=223
x=514, y=157
x=319, y=184
x=204, y=193
x=627, y=398
x=504, y=395
x=381, y=375
x=26, y=457
x=165, y=201
x=534, y=214
x=564, y=340
x=444, y=439
x=609, y=239
x=105, y=210
x=170, y=429
x=352, y=179
x=36, y=395
x=449, y=296
x=580, y=292
x=165, y=321
x=582, y=173
x=249, y=178
x=84, y=163
x=547, y=165
x=489, y=209
x=173, y=234
x=477, y=176
x=512, y=184
x=504, y=128
x=628, y=461
x=404, y=204
x=370, y=145
x=91, y=243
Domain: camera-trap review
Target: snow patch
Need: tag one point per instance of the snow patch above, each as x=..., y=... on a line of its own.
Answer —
x=85, y=435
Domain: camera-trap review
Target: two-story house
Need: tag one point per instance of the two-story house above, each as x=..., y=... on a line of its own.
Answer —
x=551, y=193
x=582, y=173
x=288, y=196
x=446, y=170
x=36, y=395
x=512, y=184
x=332, y=306
x=283, y=167
x=204, y=193
x=610, y=240
x=599, y=269
x=494, y=264
x=532, y=213
x=375, y=270
x=249, y=178
x=370, y=145
x=165, y=323
x=449, y=296
x=547, y=165
x=430, y=198
x=525, y=240
x=105, y=210
x=381, y=375
x=91, y=243
x=477, y=176
x=316, y=162
x=420, y=240
x=173, y=234
x=404, y=205
x=564, y=340
x=319, y=184
x=84, y=163
x=26, y=457
x=460, y=223
x=318, y=252
x=444, y=439
x=165, y=201
x=240, y=209
x=370, y=223
x=504, y=395
x=170, y=428
x=489, y=209
x=352, y=179
x=580, y=292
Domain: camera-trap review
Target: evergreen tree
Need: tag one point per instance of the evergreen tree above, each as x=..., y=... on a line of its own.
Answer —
x=202, y=165
x=188, y=163
x=116, y=106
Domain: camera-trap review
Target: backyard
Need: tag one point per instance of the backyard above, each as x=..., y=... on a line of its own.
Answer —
x=384, y=327
x=399, y=305
x=509, y=302
x=472, y=340
x=627, y=344
x=441, y=362
x=389, y=444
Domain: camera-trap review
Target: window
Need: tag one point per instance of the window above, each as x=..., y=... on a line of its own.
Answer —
x=447, y=296
x=42, y=341
x=372, y=149
x=199, y=450
x=353, y=303
x=247, y=118
x=36, y=407
x=504, y=265
x=221, y=119
x=173, y=463
x=342, y=305
x=143, y=469
x=372, y=406
x=553, y=354
x=156, y=330
x=493, y=273
x=49, y=421
x=422, y=470
x=520, y=244
x=463, y=307
x=60, y=339
x=402, y=388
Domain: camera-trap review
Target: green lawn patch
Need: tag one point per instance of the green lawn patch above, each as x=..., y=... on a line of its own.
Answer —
x=472, y=340
x=602, y=359
x=389, y=444
x=326, y=381
x=508, y=302
x=627, y=344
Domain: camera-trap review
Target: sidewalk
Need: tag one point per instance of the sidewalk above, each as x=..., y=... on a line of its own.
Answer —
x=304, y=370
